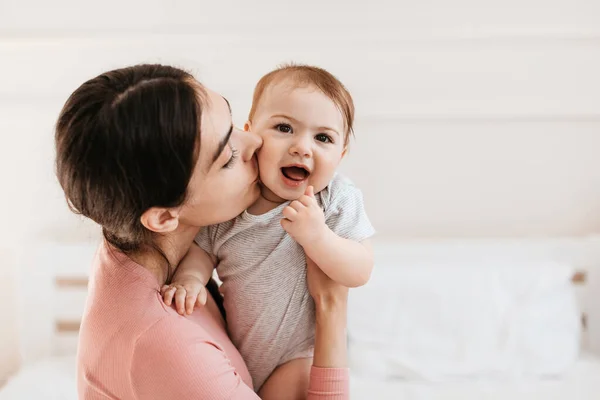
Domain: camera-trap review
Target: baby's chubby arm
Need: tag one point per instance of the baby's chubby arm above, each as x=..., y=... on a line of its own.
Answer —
x=188, y=286
x=345, y=261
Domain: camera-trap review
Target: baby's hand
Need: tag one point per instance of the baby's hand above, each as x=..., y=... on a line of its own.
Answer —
x=187, y=292
x=303, y=219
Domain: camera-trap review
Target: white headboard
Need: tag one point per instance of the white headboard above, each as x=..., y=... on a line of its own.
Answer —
x=53, y=289
x=54, y=277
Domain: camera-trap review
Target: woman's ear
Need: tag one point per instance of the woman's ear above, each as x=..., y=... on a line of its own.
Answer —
x=160, y=220
x=248, y=126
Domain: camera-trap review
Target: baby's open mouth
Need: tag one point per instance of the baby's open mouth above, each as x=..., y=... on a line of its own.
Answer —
x=295, y=173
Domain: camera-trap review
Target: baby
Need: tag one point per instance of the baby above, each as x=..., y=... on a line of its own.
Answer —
x=306, y=211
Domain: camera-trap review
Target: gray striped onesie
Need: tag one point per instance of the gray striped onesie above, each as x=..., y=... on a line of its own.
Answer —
x=270, y=314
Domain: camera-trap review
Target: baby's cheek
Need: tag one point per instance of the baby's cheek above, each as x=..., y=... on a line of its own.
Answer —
x=325, y=175
x=260, y=157
x=265, y=153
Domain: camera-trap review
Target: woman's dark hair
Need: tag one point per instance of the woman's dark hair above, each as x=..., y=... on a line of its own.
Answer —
x=127, y=141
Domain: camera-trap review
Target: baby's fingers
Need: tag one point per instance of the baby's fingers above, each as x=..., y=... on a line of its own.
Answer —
x=167, y=293
x=195, y=299
x=289, y=213
x=310, y=191
x=180, y=296
x=202, y=297
x=190, y=301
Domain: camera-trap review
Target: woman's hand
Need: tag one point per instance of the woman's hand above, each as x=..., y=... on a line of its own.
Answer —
x=331, y=303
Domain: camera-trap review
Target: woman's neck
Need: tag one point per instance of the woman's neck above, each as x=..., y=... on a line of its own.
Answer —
x=174, y=246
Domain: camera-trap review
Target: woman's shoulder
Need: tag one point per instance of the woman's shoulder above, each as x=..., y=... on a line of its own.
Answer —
x=123, y=303
x=192, y=350
x=173, y=332
x=139, y=351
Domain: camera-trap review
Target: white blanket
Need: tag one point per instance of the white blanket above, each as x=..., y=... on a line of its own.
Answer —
x=49, y=379
x=54, y=379
x=580, y=383
x=442, y=322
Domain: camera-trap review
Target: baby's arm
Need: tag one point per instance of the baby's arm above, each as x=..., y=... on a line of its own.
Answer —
x=188, y=286
x=345, y=261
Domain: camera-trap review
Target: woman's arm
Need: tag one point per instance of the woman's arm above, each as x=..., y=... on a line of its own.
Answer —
x=173, y=361
x=331, y=301
x=329, y=377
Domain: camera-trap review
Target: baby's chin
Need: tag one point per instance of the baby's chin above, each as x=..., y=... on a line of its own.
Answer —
x=275, y=196
x=287, y=195
x=278, y=195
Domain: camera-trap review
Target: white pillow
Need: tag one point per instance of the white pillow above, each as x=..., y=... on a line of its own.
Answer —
x=443, y=322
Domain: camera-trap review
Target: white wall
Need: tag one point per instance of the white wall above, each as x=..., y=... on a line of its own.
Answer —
x=474, y=118
x=9, y=357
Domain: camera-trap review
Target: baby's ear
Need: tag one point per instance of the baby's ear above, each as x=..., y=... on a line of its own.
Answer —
x=248, y=126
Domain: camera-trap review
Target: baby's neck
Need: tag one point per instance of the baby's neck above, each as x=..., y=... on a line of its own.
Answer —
x=265, y=202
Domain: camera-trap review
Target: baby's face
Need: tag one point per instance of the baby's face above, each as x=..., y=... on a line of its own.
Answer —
x=303, y=133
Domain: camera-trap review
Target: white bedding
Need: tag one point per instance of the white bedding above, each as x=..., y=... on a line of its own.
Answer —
x=49, y=379
x=54, y=379
x=441, y=322
x=581, y=383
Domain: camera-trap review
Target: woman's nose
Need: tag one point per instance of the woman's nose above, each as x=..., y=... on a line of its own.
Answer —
x=251, y=143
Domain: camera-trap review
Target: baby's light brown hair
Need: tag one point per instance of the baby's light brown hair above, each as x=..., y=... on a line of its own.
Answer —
x=306, y=75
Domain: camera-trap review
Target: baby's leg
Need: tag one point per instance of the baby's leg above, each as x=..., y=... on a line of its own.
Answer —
x=289, y=381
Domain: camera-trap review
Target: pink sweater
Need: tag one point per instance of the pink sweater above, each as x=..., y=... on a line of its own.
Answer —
x=132, y=346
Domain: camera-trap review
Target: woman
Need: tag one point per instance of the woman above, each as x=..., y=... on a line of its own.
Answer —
x=151, y=155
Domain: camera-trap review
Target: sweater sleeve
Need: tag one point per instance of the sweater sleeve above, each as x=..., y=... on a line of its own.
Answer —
x=171, y=362
x=329, y=384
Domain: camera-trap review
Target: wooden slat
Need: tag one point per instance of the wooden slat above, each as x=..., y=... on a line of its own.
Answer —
x=71, y=282
x=579, y=277
x=67, y=326
x=73, y=326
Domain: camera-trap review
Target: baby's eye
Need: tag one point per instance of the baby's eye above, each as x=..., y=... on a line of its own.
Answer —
x=285, y=128
x=321, y=137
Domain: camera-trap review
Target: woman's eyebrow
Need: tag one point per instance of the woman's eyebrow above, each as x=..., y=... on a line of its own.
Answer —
x=222, y=144
x=225, y=139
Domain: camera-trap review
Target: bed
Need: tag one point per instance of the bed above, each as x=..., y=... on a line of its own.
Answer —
x=581, y=383
x=59, y=272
